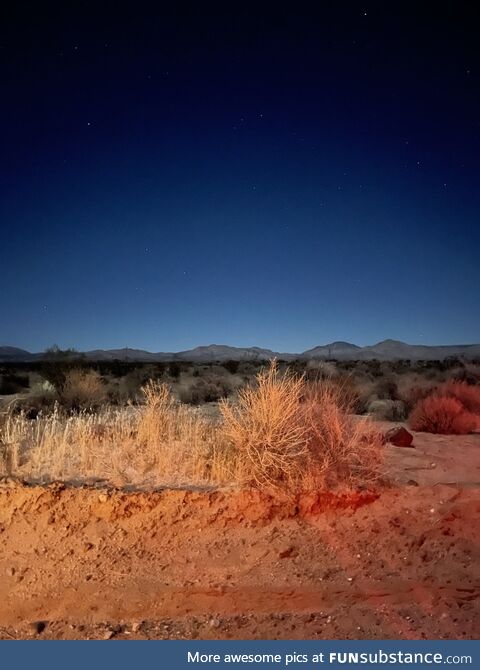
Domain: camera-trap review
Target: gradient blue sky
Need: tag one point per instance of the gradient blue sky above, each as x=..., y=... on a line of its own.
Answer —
x=279, y=179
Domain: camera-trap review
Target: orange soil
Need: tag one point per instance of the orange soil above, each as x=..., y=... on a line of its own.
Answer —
x=174, y=564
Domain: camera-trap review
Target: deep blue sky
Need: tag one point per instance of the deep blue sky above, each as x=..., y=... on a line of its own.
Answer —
x=282, y=178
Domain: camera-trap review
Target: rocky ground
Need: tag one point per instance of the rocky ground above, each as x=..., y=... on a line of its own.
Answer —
x=403, y=561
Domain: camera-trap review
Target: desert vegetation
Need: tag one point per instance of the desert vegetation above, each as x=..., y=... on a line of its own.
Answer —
x=287, y=426
x=452, y=408
x=280, y=432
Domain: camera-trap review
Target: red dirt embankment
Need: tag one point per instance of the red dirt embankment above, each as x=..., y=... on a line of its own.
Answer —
x=85, y=563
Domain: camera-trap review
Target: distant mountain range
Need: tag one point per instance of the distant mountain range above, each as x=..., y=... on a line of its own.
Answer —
x=385, y=351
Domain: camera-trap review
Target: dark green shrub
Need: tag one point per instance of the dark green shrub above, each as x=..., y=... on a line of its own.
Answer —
x=232, y=366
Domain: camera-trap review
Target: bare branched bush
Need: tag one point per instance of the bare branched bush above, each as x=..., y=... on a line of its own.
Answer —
x=342, y=448
x=298, y=435
x=266, y=429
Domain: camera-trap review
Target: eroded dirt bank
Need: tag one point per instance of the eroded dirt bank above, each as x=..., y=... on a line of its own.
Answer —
x=85, y=563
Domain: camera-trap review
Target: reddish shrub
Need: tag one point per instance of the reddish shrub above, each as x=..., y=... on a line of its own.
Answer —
x=442, y=414
x=468, y=395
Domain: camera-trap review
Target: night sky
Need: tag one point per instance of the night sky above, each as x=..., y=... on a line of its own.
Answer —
x=186, y=175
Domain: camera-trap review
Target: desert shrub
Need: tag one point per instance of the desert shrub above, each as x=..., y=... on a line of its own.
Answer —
x=468, y=375
x=291, y=434
x=442, y=414
x=208, y=387
x=374, y=368
x=13, y=383
x=82, y=390
x=57, y=364
x=467, y=394
x=346, y=390
x=386, y=388
x=364, y=389
x=129, y=387
x=387, y=410
x=232, y=366
x=41, y=398
x=342, y=449
x=412, y=388
x=316, y=369
x=203, y=391
x=401, y=366
x=249, y=368
x=174, y=370
x=266, y=429
x=348, y=366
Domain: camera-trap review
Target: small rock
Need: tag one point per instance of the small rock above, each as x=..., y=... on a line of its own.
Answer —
x=87, y=546
x=108, y=635
x=136, y=626
x=214, y=623
x=38, y=627
x=399, y=437
x=10, y=572
x=286, y=553
x=102, y=498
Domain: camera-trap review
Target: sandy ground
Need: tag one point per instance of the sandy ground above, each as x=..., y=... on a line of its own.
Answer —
x=403, y=562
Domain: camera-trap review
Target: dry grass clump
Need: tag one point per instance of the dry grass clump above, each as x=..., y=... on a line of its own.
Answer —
x=297, y=435
x=442, y=414
x=157, y=444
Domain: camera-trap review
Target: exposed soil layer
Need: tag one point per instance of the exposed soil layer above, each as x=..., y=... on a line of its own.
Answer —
x=85, y=563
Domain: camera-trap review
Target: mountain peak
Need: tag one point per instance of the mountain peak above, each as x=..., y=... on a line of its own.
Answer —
x=387, y=350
